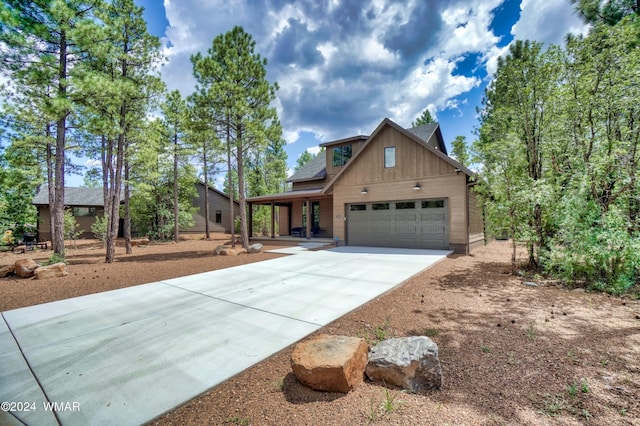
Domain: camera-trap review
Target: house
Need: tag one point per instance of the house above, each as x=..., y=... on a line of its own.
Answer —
x=85, y=203
x=219, y=211
x=88, y=203
x=394, y=188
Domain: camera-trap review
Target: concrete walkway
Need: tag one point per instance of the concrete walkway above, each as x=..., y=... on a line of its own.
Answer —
x=127, y=356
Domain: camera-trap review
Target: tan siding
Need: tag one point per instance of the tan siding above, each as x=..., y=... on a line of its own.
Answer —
x=412, y=162
x=452, y=187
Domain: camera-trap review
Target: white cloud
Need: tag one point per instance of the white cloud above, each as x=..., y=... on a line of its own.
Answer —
x=547, y=21
x=314, y=150
x=93, y=163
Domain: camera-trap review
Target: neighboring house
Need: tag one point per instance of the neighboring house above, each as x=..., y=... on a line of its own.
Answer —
x=395, y=188
x=219, y=211
x=88, y=203
x=85, y=203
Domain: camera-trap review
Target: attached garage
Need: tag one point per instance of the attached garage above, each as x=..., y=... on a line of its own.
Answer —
x=409, y=223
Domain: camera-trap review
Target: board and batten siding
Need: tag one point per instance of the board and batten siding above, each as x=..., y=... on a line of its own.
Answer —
x=216, y=202
x=414, y=164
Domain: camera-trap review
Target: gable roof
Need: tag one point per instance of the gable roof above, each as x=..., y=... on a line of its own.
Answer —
x=212, y=189
x=426, y=131
x=74, y=196
x=316, y=169
x=408, y=134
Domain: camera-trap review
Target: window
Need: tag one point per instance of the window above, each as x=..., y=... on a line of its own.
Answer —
x=84, y=211
x=358, y=207
x=218, y=216
x=389, y=157
x=405, y=205
x=433, y=204
x=341, y=154
x=315, y=214
x=380, y=206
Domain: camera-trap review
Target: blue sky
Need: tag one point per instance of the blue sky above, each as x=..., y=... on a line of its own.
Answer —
x=345, y=65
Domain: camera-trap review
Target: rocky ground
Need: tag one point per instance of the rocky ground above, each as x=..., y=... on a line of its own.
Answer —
x=511, y=354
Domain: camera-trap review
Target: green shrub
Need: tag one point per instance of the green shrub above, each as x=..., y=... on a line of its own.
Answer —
x=99, y=228
x=71, y=228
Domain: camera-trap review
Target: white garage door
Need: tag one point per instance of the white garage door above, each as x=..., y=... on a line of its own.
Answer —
x=411, y=224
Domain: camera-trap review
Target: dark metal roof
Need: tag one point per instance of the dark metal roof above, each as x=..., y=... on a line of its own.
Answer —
x=74, y=196
x=315, y=169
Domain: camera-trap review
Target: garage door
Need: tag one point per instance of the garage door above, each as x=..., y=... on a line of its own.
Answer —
x=411, y=224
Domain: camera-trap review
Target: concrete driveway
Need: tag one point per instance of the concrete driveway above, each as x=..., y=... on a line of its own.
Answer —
x=127, y=356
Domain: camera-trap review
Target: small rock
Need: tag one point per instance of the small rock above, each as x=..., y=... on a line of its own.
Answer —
x=530, y=284
x=409, y=362
x=330, y=363
x=24, y=268
x=7, y=270
x=50, y=271
x=254, y=248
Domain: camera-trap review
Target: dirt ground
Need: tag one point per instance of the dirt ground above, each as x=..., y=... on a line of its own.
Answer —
x=511, y=354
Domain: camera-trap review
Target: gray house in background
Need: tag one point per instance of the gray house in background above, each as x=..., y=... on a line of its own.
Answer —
x=88, y=203
x=85, y=203
x=219, y=211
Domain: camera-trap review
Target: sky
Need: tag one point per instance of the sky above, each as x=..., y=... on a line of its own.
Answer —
x=345, y=65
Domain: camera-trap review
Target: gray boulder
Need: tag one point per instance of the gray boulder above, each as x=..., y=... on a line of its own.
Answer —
x=254, y=248
x=411, y=363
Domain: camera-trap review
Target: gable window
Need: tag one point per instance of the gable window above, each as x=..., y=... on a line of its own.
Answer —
x=389, y=157
x=218, y=216
x=341, y=154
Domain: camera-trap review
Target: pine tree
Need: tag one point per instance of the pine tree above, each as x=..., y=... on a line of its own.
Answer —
x=233, y=77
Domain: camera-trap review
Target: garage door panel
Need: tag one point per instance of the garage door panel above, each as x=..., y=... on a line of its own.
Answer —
x=410, y=224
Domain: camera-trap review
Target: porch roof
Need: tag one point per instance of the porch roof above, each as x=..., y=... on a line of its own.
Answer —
x=289, y=196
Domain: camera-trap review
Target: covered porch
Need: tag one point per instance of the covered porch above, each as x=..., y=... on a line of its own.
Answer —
x=301, y=215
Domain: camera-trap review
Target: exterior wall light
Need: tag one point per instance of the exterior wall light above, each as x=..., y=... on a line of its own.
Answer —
x=417, y=186
x=364, y=191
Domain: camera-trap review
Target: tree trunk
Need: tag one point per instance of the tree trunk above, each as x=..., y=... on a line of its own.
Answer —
x=243, y=202
x=57, y=234
x=114, y=191
x=230, y=174
x=127, y=210
x=176, y=229
x=207, y=233
x=50, y=183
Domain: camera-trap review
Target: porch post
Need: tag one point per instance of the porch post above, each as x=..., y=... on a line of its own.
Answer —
x=250, y=230
x=289, y=219
x=308, y=218
x=273, y=219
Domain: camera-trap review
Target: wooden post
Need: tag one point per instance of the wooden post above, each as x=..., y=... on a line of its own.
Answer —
x=250, y=230
x=273, y=219
x=308, y=218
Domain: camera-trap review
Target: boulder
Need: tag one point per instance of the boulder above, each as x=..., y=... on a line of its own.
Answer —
x=218, y=250
x=50, y=271
x=409, y=362
x=7, y=270
x=230, y=251
x=254, y=248
x=330, y=363
x=24, y=268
